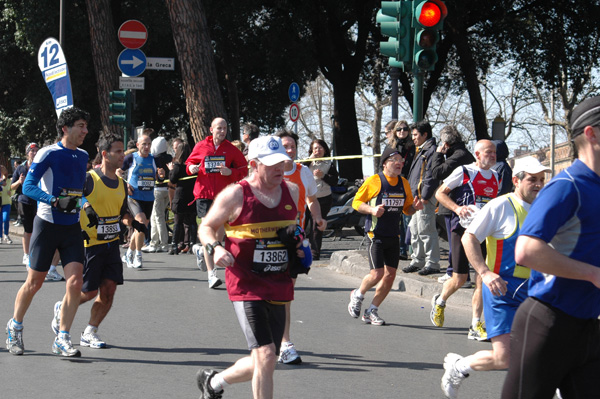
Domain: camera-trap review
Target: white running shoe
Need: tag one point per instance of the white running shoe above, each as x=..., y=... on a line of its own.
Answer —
x=26, y=260
x=56, y=319
x=444, y=278
x=14, y=339
x=452, y=378
x=213, y=280
x=128, y=260
x=150, y=248
x=137, y=261
x=64, y=347
x=54, y=275
x=198, y=250
x=6, y=239
x=355, y=304
x=288, y=354
x=92, y=340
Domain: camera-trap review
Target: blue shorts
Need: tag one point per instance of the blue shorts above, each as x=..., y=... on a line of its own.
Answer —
x=102, y=261
x=48, y=237
x=500, y=311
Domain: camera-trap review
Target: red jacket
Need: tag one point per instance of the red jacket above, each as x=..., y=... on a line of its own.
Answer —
x=209, y=184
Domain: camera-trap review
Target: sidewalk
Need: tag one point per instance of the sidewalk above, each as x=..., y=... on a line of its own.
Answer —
x=356, y=263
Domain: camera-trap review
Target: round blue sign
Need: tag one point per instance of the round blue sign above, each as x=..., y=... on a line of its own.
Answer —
x=294, y=92
x=132, y=62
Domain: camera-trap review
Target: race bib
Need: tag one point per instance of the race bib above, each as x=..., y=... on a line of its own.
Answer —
x=212, y=162
x=481, y=200
x=270, y=256
x=145, y=183
x=71, y=192
x=108, y=228
x=392, y=202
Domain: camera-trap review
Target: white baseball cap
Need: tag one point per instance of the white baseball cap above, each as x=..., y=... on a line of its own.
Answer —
x=268, y=150
x=529, y=165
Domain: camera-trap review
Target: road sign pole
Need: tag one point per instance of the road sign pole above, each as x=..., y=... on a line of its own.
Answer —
x=418, y=96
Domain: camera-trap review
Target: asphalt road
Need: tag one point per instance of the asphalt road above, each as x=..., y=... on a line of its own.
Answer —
x=166, y=324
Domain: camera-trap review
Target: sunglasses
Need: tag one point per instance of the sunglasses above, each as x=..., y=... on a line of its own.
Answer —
x=402, y=129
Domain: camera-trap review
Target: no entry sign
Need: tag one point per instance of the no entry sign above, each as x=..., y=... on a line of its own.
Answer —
x=133, y=34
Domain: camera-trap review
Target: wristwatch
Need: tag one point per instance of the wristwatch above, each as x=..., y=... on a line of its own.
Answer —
x=210, y=248
x=53, y=201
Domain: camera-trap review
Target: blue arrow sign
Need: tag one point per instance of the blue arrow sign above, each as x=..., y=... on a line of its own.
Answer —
x=132, y=62
x=294, y=92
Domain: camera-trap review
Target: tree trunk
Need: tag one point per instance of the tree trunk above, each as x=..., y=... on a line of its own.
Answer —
x=104, y=52
x=346, y=137
x=196, y=60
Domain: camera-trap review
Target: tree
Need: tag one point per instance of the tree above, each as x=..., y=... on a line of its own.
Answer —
x=196, y=59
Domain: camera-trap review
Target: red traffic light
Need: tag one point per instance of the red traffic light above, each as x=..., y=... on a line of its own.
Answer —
x=430, y=14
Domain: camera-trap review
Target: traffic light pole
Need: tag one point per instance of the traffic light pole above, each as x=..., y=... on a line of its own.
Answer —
x=418, y=96
x=394, y=75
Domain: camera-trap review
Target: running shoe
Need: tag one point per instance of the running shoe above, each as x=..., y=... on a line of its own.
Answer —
x=26, y=259
x=150, y=248
x=137, y=261
x=426, y=271
x=56, y=319
x=128, y=260
x=467, y=284
x=478, y=332
x=64, y=347
x=411, y=269
x=452, y=378
x=355, y=304
x=444, y=278
x=203, y=380
x=288, y=354
x=437, y=312
x=199, y=252
x=92, y=340
x=14, y=339
x=54, y=275
x=213, y=280
x=6, y=239
x=371, y=317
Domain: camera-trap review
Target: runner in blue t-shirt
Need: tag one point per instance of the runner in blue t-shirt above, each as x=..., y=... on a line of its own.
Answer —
x=555, y=338
x=55, y=179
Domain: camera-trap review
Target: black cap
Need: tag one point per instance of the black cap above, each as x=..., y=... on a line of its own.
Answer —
x=587, y=113
x=388, y=152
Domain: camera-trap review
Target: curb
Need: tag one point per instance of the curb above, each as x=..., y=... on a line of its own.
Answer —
x=356, y=263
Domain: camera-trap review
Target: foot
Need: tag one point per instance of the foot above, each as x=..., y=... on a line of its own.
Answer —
x=478, y=332
x=355, y=304
x=452, y=378
x=54, y=275
x=91, y=340
x=203, y=380
x=14, y=339
x=371, y=317
x=6, y=239
x=128, y=260
x=64, y=347
x=444, y=278
x=426, y=271
x=213, y=280
x=288, y=354
x=199, y=252
x=137, y=261
x=437, y=312
x=411, y=269
x=26, y=260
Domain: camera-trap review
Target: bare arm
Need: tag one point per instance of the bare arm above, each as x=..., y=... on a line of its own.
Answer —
x=315, y=211
x=493, y=281
x=538, y=255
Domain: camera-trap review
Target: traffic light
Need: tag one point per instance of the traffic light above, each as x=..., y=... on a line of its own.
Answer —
x=394, y=20
x=428, y=20
x=120, y=107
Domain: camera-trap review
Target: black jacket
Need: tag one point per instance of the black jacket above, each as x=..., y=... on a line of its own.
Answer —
x=184, y=192
x=442, y=166
x=502, y=167
x=422, y=184
x=406, y=148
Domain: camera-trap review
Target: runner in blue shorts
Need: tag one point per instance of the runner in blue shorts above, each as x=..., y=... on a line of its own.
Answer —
x=55, y=179
x=505, y=282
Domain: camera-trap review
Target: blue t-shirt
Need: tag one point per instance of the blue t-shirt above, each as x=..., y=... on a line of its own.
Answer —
x=56, y=171
x=565, y=215
x=141, y=175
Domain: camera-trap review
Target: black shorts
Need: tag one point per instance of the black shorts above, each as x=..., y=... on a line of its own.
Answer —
x=48, y=237
x=202, y=206
x=550, y=349
x=262, y=322
x=460, y=263
x=27, y=213
x=384, y=251
x=136, y=207
x=102, y=261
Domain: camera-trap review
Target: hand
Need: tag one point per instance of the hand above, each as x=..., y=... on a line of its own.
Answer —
x=321, y=224
x=92, y=216
x=418, y=204
x=224, y=170
x=318, y=173
x=494, y=282
x=222, y=257
x=170, y=165
x=161, y=173
x=129, y=189
x=86, y=236
x=194, y=169
x=378, y=210
x=67, y=204
x=463, y=211
x=21, y=178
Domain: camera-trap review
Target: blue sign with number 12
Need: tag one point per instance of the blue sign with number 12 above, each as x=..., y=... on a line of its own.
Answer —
x=53, y=65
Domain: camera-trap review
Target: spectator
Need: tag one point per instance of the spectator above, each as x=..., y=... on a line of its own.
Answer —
x=183, y=207
x=5, y=182
x=249, y=133
x=423, y=233
x=325, y=175
x=450, y=154
x=502, y=167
